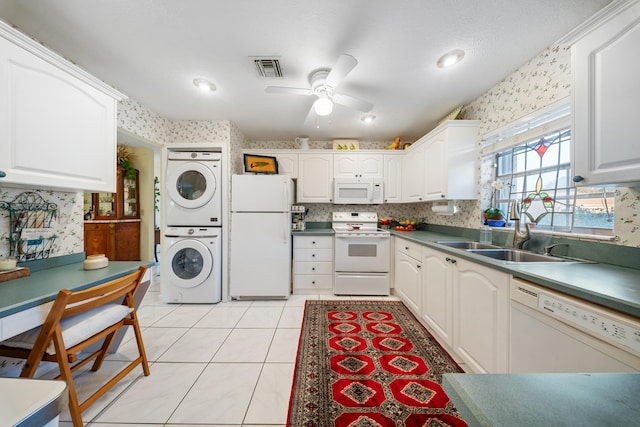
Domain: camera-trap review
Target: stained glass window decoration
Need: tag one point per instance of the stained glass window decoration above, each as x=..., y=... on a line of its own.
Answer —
x=538, y=175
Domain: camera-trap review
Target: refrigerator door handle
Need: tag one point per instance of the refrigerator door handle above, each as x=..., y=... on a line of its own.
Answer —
x=285, y=200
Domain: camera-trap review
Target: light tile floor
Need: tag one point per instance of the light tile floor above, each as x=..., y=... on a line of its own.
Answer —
x=226, y=364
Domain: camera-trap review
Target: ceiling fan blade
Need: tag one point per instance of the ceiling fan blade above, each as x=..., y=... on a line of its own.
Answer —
x=345, y=64
x=351, y=102
x=312, y=117
x=288, y=90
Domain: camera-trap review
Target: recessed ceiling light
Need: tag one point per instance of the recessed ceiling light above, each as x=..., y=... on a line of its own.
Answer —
x=204, y=85
x=450, y=58
x=368, y=118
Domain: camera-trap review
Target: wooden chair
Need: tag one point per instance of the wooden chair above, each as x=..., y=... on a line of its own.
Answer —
x=76, y=321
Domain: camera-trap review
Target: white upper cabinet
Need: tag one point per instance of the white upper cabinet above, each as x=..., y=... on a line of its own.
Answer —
x=413, y=173
x=442, y=165
x=57, y=123
x=605, y=88
x=393, y=178
x=287, y=164
x=358, y=165
x=315, y=182
x=450, y=161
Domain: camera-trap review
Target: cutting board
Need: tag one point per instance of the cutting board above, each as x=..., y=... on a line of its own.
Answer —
x=14, y=274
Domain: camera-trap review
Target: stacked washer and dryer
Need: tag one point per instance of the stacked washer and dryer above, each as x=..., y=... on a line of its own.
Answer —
x=191, y=269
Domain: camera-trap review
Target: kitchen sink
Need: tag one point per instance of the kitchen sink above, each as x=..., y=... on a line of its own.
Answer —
x=466, y=245
x=515, y=255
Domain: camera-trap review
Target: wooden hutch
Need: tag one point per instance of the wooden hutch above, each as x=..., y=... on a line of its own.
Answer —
x=112, y=220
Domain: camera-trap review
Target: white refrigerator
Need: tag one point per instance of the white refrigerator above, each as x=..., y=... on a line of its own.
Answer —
x=260, y=246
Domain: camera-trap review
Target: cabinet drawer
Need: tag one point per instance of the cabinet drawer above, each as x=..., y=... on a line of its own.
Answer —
x=310, y=242
x=414, y=250
x=313, y=281
x=313, y=255
x=313, y=267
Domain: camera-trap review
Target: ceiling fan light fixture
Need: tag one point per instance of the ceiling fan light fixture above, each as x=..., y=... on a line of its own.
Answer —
x=450, y=58
x=368, y=118
x=323, y=106
x=204, y=85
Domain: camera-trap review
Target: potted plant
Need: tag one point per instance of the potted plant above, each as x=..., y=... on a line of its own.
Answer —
x=493, y=215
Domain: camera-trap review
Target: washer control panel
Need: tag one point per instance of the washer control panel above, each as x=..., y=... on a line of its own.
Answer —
x=609, y=326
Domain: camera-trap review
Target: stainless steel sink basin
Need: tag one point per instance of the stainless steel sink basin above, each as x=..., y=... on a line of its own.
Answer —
x=466, y=245
x=514, y=255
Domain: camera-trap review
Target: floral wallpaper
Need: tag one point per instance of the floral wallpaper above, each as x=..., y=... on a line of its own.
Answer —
x=541, y=81
x=143, y=122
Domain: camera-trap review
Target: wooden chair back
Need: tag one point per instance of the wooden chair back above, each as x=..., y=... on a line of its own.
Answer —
x=119, y=291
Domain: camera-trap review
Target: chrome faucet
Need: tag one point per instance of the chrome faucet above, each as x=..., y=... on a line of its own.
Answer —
x=547, y=249
x=518, y=237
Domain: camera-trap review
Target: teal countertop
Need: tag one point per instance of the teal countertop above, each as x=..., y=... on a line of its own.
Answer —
x=608, y=285
x=313, y=232
x=315, y=229
x=557, y=399
x=43, y=285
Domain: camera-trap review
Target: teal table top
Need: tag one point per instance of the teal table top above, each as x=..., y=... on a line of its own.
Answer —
x=43, y=285
x=609, y=285
x=562, y=399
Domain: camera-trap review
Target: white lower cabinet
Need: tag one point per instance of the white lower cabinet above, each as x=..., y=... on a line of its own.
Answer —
x=313, y=264
x=408, y=274
x=465, y=305
x=481, y=317
x=437, y=294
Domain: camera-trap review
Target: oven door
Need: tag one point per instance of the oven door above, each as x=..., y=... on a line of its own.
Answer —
x=363, y=253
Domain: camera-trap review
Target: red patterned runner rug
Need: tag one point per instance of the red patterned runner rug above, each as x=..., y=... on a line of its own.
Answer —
x=369, y=364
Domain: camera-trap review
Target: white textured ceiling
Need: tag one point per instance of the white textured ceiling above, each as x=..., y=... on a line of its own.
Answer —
x=151, y=50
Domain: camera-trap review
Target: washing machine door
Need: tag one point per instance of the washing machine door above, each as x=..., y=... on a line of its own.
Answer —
x=191, y=184
x=191, y=263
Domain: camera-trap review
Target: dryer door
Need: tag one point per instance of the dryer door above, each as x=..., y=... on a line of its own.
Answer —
x=191, y=263
x=191, y=184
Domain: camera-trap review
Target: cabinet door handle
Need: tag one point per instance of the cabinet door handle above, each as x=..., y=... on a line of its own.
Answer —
x=418, y=266
x=313, y=255
x=453, y=261
x=578, y=178
x=313, y=242
x=313, y=282
x=2, y=174
x=447, y=259
x=406, y=248
x=313, y=269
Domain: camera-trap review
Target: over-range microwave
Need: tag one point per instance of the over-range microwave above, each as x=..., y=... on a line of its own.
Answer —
x=358, y=191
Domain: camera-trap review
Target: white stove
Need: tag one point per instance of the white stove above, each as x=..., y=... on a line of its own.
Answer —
x=361, y=254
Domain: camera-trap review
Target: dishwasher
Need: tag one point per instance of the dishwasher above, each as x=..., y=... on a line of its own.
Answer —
x=554, y=332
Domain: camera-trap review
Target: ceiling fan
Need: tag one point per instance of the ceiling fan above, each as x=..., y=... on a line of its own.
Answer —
x=323, y=83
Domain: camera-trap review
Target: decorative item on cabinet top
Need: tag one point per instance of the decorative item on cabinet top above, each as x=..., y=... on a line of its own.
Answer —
x=346, y=144
x=260, y=164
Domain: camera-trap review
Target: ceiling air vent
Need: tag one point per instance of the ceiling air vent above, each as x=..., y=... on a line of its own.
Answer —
x=268, y=67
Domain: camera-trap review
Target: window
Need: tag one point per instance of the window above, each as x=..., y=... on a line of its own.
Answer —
x=537, y=173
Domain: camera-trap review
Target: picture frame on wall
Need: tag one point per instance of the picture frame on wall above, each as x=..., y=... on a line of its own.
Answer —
x=260, y=164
